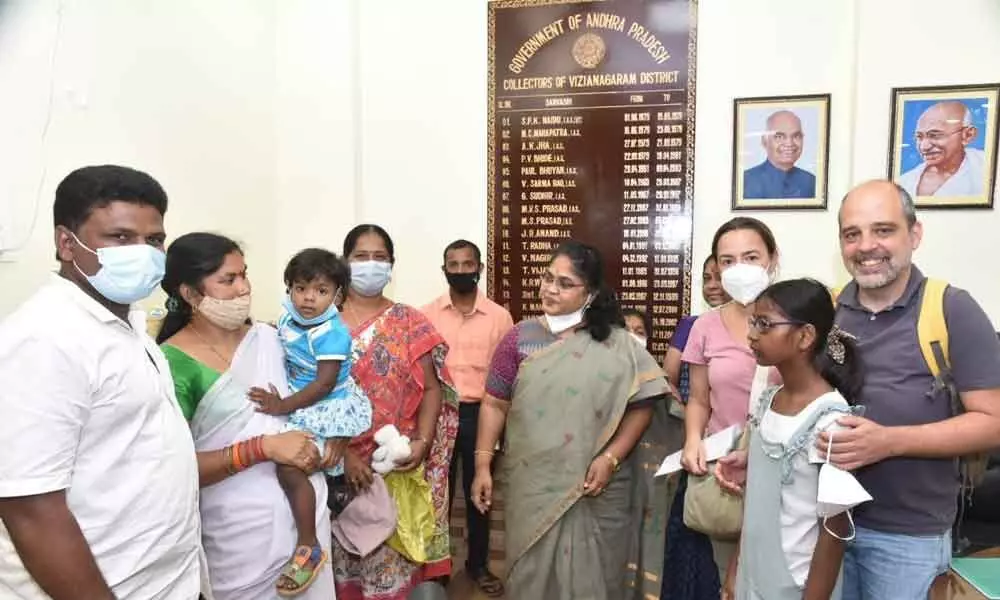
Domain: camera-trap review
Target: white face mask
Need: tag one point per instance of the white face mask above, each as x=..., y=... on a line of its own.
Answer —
x=838, y=492
x=744, y=282
x=560, y=323
x=638, y=338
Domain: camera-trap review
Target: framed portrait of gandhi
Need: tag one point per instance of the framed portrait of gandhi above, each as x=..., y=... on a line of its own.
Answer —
x=943, y=144
x=781, y=148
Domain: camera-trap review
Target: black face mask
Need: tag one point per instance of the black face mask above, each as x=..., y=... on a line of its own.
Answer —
x=463, y=283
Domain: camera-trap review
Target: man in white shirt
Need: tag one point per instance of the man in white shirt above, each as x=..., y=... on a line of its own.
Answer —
x=950, y=167
x=98, y=474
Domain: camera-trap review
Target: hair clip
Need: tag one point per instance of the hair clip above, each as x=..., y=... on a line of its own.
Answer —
x=174, y=304
x=835, y=344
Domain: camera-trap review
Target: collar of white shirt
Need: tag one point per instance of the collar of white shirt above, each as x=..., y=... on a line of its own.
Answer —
x=74, y=293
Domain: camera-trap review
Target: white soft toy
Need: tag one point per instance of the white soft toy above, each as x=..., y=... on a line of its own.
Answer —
x=393, y=450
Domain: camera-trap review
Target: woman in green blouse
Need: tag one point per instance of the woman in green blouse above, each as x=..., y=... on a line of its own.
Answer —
x=216, y=355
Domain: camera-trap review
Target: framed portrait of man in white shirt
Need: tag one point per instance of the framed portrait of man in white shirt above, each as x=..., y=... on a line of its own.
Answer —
x=943, y=144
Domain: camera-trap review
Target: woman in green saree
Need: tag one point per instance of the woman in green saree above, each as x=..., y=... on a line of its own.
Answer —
x=577, y=394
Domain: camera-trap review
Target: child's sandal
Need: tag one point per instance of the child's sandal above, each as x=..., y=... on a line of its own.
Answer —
x=300, y=571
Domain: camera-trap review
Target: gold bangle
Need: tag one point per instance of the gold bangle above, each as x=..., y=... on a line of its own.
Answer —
x=489, y=453
x=614, y=461
x=227, y=457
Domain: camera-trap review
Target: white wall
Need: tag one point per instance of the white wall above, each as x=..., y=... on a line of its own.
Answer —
x=855, y=50
x=182, y=89
x=423, y=132
x=771, y=48
x=924, y=48
x=283, y=123
x=316, y=129
x=257, y=119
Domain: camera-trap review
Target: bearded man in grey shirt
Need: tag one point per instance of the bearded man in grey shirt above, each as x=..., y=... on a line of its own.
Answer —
x=905, y=449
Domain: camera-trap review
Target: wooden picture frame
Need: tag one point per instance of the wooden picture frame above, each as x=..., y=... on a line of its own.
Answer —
x=943, y=144
x=781, y=150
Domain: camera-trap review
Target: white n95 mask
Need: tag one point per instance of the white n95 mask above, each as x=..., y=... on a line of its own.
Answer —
x=638, y=338
x=744, y=282
x=838, y=492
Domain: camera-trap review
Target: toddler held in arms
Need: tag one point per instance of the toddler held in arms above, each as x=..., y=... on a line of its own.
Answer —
x=325, y=401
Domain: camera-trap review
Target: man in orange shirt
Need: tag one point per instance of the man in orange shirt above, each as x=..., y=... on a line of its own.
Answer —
x=472, y=325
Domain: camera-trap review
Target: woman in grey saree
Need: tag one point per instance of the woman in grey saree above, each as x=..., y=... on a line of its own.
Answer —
x=577, y=393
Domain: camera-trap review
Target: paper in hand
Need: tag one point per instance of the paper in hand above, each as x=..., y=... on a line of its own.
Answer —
x=716, y=446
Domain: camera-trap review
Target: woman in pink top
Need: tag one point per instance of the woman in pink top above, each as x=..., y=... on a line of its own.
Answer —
x=721, y=364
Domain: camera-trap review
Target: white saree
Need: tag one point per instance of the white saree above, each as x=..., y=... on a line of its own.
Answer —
x=247, y=526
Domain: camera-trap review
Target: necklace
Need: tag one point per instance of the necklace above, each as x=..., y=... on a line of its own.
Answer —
x=227, y=361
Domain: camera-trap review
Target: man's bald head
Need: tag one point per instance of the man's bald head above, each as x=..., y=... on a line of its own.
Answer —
x=943, y=131
x=878, y=189
x=783, y=118
x=783, y=139
x=950, y=112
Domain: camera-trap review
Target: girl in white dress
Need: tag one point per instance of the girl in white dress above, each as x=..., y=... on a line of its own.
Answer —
x=788, y=551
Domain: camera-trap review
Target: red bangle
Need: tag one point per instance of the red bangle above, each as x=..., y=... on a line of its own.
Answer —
x=257, y=447
x=234, y=460
x=247, y=454
x=238, y=451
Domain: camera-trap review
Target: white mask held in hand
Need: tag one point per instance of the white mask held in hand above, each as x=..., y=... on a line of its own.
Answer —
x=838, y=492
x=744, y=282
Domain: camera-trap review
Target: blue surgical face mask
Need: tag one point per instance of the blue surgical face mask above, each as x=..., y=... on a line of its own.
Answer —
x=128, y=273
x=369, y=277
x=328, y=314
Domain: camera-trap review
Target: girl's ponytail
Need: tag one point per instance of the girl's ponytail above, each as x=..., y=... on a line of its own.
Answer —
x=840, y=364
